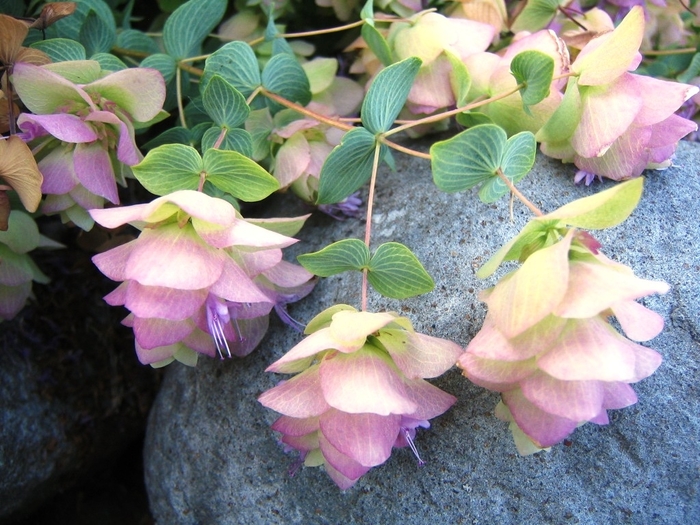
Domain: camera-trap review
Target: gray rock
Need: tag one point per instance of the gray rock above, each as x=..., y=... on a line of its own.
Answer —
x=72, y=395
x=211, y=458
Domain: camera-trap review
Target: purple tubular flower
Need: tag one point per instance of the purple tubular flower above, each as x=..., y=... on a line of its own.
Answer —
x=349, y=207
x=586, y=177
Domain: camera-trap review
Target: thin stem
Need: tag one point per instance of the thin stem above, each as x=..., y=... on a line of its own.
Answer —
x=178, y=88
x=368, y=225
x=10, y=107
x=566, y=13
x=129, y=52
x=404, y=149
x=534, y=209
x=306, y=112
x=663, y=52
x=220, y=138
x=254, y=94
x=446, y=114
x=190, y=69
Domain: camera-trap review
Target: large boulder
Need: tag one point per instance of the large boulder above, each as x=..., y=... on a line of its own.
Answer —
x=72, y=395
x=210, y=456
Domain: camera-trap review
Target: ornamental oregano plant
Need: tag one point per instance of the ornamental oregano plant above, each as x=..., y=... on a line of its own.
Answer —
x=228, y=118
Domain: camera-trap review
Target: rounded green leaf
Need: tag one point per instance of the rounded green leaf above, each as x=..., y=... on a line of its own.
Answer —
x=137, y=41
x=169, y=168
x=189, y=25
x=285, y=77
x=536, y=15
x=395, y=272
x=469, y=158
x=534, y=69
x=235, y=139
x=22, y=234
x=236, y=174
x=387, y=94
x=163, y=63
x=517, y=161
x=108, y=62
x=339, y=257
x=236, y=63
x=98, y=34
x=61, y=49
x=224, y=103
x=347, y=167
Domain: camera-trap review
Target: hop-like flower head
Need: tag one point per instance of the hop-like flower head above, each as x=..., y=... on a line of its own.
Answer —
x=199, y=278
x=548, y=347
x=360, y=390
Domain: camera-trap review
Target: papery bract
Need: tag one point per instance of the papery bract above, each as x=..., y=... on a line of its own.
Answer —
x=199, y=278
x=85, y=132
x=359, y=391
x=548, y=347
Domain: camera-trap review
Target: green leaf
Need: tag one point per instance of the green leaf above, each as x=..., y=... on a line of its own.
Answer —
x=236, y=63
x=536, y=15
x=339, y=257
x=108, y=62
x=236, y=174
x=602, y=210
x=137, y=41
x=347, y=167
x=535, y=70
x=22, y=234
x=516, y=162
x=72, y=26
x=469, y=158
x=470, y=119
x=176, y=135
x=163, y=63
x=61, y=49
x=394, y=271
x=460, y=80
x=285, y=77
x=387, y=94
x=169, y=168
x=367, y=12
x=692, y=71
x=189, y=25
x=98, y=34
x=288, y=226
x=224, y=103
x=377, y=43
x=235, y=140
x=260, y=125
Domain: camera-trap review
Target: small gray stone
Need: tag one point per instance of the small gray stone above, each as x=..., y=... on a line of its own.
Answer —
x=210, y=456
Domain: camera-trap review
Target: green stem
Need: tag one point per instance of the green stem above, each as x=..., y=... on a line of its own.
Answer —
x=306, y=112
x=664, y=52
x=368, y=225
x=178, y=88
x=254, y=94
x=515, y=191
x=446, y=114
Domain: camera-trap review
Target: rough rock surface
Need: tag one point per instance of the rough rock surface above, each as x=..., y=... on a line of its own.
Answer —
x=211, y=458
x=72, y=396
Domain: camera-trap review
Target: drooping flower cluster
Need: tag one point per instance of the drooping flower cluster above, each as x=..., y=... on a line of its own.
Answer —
x=359, y=390
x=199, y=279
x=612, y=122
x=547, y=344
x=82, y=129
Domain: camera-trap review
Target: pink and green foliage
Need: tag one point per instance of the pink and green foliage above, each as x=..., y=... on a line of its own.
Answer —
x=547, y=343
x=82, y=127
x=199, y=279
x=360, y=390
x=17, y=270
x=612, y=122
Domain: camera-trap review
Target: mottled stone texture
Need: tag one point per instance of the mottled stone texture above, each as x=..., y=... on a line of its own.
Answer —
x=211, y=458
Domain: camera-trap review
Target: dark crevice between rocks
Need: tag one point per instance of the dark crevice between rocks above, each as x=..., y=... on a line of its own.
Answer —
x=74, y=423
